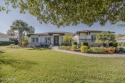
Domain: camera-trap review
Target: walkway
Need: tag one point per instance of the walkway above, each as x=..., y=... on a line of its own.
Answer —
x=87, y=54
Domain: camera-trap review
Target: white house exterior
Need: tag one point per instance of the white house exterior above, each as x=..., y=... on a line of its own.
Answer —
x=49, y=38
x=121, y=39
x=56, y=38
x=5, y=37
x=87, y=36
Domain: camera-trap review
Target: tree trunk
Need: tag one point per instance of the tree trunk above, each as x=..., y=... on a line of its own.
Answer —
x=20, y=32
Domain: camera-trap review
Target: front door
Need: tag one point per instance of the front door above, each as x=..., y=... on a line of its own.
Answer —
x=56, y=40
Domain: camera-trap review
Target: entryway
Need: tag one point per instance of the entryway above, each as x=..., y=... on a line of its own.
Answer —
x=56, y=40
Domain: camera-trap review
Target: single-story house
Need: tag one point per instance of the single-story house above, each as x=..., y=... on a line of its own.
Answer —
x=55, y=38
x=121, y=39
x=6, y=38
x=48, y=38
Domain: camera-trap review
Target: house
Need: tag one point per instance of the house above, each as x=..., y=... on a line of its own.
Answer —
x=87, y=36
x=55, y=38
x=121, y=39
x=6, y=38
x=48, y=38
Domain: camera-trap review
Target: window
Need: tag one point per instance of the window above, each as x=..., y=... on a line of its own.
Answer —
x=36, y=39
x=88, y=33
x=45, y=40
x=48, y=40
x=93, y=37
x=33, y=39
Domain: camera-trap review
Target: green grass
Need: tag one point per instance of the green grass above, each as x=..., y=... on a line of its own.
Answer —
x=47, y=66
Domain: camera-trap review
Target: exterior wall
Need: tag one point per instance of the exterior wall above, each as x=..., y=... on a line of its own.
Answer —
x=76, y=38
x=60, y=40
x=89, y=37
x=120, y=40
x=86, y=37
x=83, y=37
x=34, y=43
x=41, y=40
x=4, y=39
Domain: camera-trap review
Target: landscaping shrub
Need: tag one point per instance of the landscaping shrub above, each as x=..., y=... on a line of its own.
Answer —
x=65, y=47
x=64, y=43
x=84, y=44
x=12, y=45
x=74, y=47
x=121, y=44
x=111, y=49
x=25, y=42
x=97, y=50
x=84, y=49
x=104, y=45
x=74, y=43
x=5, y=43
x=110, y=44
x=113, y=44
x=121, y=49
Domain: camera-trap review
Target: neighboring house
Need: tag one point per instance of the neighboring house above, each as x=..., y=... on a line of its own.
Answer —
x=121, y=39
x=49, y=38
x=6, y=38
x=56, y=38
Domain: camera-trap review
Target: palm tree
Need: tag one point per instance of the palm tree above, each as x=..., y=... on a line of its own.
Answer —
x=21, y=27
x=11, y=32
x=30, y=30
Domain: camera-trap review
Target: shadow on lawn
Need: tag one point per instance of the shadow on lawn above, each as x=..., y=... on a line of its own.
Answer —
x=38, y=49
x=19, y=64
x=16, y=64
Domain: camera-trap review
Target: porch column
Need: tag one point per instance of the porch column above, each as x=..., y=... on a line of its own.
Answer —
x=60, y=40
x=52, y=40
x=39, y=39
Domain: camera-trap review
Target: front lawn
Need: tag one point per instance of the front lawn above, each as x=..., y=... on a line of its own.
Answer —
x=27, y=65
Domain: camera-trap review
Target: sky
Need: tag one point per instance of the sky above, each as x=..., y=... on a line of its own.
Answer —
x=7, y=19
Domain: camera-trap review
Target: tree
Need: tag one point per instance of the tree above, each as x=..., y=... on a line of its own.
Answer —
x=30, y=30
x=105, y=37
x=21, y=27
x=71, y=12
x=11, y=32
x=67, y=39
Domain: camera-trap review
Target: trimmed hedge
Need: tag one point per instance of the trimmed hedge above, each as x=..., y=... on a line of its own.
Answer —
x=113, y=44
x=65, y=47
x=84, y=49
x=84, y=44
x=5, y=43
x=104, y=45
x=110, y=44
x=74, y=47
x=97, y=50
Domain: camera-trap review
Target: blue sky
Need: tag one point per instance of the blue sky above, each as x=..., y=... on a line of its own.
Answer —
x=7, y=19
